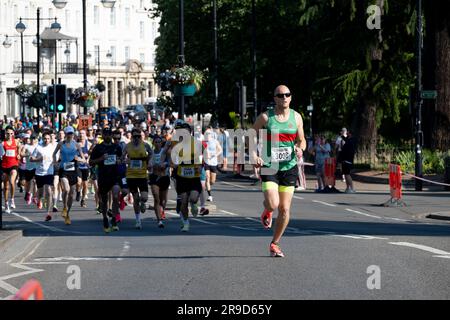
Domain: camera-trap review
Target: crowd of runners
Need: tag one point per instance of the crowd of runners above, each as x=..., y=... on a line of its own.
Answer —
x=56, y=169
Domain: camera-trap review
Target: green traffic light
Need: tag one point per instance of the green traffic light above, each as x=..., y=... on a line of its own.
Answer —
x=52, y=107
x=60, y=107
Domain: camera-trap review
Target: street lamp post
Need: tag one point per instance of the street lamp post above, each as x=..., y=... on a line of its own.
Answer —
x=419, y=134
x=181, y=56
x=20, y=27
x=310, y=108
x=255, y=96
x=216, y=58
x=59, y=4
x=109, y=56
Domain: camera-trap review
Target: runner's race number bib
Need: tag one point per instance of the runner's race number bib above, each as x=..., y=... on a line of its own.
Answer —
x=157, y=159
x=135, y=164
x=69, y=166
x=188, y=172
x=281, y=154
x=11, y=153
x=110, y=160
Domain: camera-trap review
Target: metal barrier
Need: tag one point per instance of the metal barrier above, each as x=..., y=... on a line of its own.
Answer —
x=30, y=288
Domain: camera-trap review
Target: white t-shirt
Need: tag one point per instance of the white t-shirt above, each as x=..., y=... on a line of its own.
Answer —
x=45, y=167
x=29, y=149
x=212, y=152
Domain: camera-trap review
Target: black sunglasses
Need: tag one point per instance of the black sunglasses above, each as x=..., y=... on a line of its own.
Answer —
x=282, y=95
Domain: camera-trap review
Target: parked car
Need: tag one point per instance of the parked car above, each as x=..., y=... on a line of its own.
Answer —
x=136, y=112
x=156, y=111
x=109, y=113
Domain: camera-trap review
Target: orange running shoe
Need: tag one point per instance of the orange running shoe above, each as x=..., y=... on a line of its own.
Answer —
x=275, y=250
x=266, y=219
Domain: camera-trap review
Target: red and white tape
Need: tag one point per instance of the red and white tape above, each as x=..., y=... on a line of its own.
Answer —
x=435, y=182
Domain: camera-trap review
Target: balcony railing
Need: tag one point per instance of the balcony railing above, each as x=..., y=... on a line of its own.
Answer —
x=71, y=68
x=63, y=68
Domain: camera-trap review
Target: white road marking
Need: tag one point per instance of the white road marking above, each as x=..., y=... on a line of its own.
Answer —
x=359, y=236
x=21, y=252
x=205, y=222
x=230, y=213
x=55, y=262
x=126, y=248
x=363, y=214
x=324, y=203
x=44, y=226
x=297, y=197
x=54, y=259
x=437, y=252
x=234, y=185
x=28, y=270
x=398, y=219
x=244, y=228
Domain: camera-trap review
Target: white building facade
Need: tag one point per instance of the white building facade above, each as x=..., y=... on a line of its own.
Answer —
x=120, y=46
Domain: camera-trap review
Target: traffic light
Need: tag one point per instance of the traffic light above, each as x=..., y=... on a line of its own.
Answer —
x=50, y=99
x=61, y=98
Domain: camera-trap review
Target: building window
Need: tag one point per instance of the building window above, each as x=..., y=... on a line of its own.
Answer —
x=127, y=17
x=50, y=12
x=113, y=55
x=142, y=58
x=150, y=89
x=96, y=49
x=141, y=4
x=112, y=17
x=69, y=27
x=96, y=15
x=110, y=93
x=141, y=29
x=77, y=18
x=119, y=94
x=127, y=53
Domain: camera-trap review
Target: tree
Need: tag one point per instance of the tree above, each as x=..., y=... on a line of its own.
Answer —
x=437, y=34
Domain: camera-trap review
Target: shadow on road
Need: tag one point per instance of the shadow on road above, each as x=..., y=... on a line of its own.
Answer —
x=229, y=227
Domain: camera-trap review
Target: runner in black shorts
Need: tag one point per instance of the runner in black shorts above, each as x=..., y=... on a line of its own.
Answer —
x=106, y=156
x=159, y=179
x=71, y=155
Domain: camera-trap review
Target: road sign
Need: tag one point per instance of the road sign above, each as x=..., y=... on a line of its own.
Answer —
x=84, y=122
x=428, y=94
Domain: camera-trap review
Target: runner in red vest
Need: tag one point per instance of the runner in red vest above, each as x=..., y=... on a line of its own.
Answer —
x=10, y=165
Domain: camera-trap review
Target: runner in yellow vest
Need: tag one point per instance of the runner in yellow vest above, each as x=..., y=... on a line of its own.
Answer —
x=137, y=155
x=187, y=177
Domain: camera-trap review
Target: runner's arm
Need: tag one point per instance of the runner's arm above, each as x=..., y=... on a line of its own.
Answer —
x=260, y=123
x=80, y=158
x=58, y=146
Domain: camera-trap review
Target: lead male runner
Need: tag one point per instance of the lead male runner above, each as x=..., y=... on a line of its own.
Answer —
x=284, y=144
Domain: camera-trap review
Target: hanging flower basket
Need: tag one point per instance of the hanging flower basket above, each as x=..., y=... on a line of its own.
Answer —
x=184, y=90
x=87, y=103
x=36, y=100
x=181, y=80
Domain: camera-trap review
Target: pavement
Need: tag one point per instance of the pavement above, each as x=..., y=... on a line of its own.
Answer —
x=371, y=181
